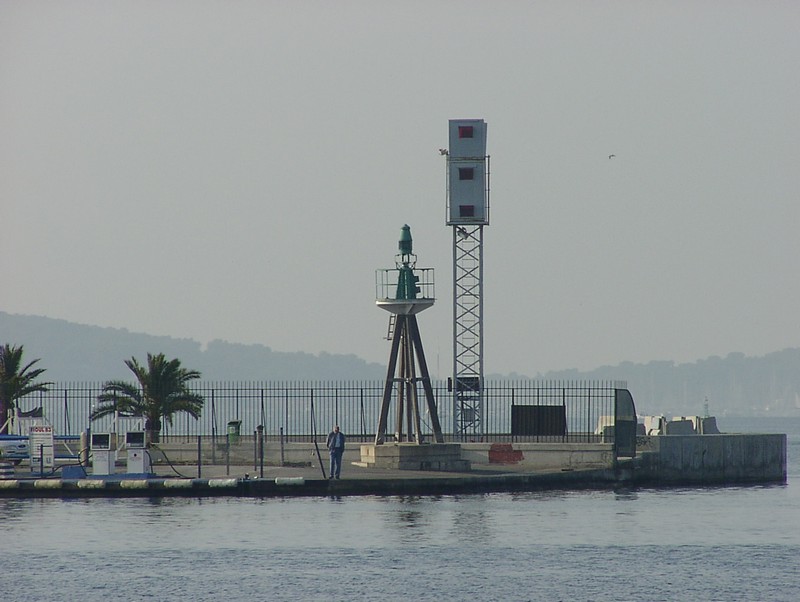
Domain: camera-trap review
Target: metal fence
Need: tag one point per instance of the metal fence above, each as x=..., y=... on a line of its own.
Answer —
x=300, y=411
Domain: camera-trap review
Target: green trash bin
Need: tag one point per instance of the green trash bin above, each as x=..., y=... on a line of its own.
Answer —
x=234, y=430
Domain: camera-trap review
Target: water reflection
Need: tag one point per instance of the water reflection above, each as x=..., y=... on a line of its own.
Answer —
x=12, y=510
x=471, y=523
x=410, y=518
x=626, y=495
x=413, y=511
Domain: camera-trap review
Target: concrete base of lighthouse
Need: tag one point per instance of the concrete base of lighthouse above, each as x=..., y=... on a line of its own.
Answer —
x=412, y=456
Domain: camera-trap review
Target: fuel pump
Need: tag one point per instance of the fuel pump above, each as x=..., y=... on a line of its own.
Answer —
x=138, y=458
x=103, y=454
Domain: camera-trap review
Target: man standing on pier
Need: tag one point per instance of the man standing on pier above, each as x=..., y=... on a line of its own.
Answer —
x=336, y=447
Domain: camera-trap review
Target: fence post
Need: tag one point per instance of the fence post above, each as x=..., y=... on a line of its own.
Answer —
x=213, y=429
x=228, y=455
x=283, y=462
x=363, y=418
x=260, y=431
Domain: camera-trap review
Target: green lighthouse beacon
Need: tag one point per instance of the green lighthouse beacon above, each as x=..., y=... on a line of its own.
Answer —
x=406, y=280
x=404, y=291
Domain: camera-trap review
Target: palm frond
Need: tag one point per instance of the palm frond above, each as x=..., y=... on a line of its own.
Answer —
x=161, y=392
x=16, y=380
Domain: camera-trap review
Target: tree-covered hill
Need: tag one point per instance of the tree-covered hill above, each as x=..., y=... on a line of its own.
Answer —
x=77, y=352
x=732, y=385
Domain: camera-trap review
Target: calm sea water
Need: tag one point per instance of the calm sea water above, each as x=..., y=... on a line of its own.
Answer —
x=732, y=543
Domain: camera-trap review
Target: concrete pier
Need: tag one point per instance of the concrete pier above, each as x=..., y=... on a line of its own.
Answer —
x=669, y=460
x=713, y=459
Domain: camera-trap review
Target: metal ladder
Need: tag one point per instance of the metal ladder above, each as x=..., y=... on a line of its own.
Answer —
x=390, y=331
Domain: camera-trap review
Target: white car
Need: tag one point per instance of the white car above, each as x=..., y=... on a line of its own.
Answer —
x=13, y=449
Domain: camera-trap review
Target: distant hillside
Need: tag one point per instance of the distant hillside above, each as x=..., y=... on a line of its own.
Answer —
x=733, y=385
x=76, y=352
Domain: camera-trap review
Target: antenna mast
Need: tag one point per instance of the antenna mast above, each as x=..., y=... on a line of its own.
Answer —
x=467, y=214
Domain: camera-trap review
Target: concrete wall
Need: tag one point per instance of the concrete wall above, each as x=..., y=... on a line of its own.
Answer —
x=713, y=459
x=541, y=456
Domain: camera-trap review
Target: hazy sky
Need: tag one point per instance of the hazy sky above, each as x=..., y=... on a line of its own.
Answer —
x=239, y=170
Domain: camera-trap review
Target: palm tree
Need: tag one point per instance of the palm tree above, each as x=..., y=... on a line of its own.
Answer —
x=16, y=381
x=161, y=392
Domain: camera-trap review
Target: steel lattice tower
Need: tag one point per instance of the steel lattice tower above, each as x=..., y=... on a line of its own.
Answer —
x=467, y=214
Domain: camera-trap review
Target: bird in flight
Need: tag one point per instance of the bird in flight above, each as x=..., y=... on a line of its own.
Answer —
x=611, y=156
